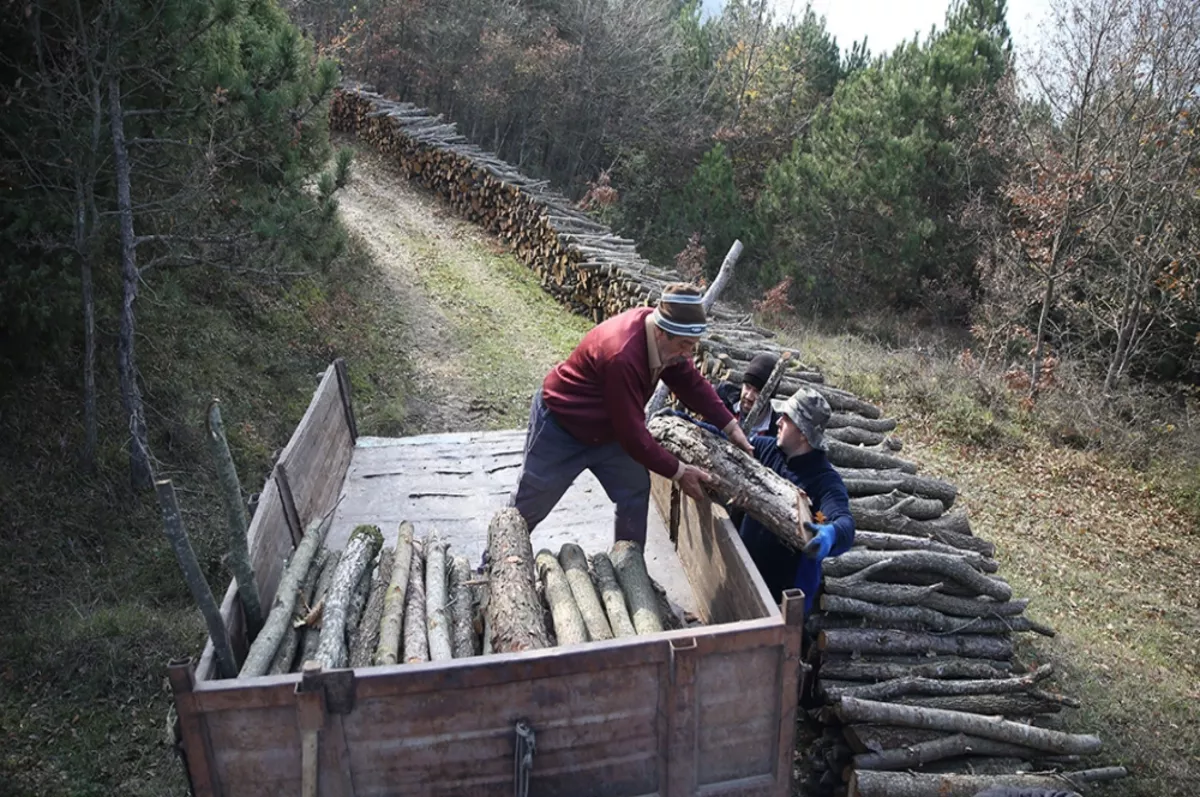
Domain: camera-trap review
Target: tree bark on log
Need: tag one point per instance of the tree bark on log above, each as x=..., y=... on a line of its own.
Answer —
x=844, y=420
x=860, y=488
x=924, y=486
x=258, y=659
x=311, y=636
x=235, y=520
x=366, y=635
x=952, y=567
x=908, y=595
x=845, y=455
x=864, y=739
x=630, y=566
x=851, y=709
x=284, y=660
x=907, y=505
x=953, y=528
x=856, y=436
x=866, y=783
x=198, y=585
x=615, y=608
x=358, y=603
x=958, y=744
x=416, y=638
x=364, y=544
x=437, y=619
x=886, y=642
x=929, y=619
x=738, y=480
x=882, y=541
x=575, y=565
x=514, y=611
x=392, y=621
x=569, y=625
x=462, y=609
x=1014, y=705
x=941, y=667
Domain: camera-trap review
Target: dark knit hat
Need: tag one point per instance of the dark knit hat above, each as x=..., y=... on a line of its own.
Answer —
x=680, y=311
x=759, y=370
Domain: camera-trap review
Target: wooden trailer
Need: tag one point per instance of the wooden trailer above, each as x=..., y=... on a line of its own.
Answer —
x=700, y=711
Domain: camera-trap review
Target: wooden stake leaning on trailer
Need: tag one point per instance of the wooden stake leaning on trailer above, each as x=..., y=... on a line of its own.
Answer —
x=392, y=621
x=201, y=592
x=615, y=608
x=514, y=611
x=630, y=565
x=235, y=518
x=569, y=627
x=364, y=544
x=437, y=620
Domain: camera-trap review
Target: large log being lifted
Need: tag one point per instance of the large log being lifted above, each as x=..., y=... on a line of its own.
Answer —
x=738, y=480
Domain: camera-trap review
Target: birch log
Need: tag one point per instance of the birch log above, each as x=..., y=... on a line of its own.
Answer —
x=569, y=627
x=437, y=619
x=514, y=611
x=462, y=609
x=392, y=621
x=366, y=635
x=738, y=479
x=630, y=565
x=364, y=544
x=285, y=654
x=311, y=636
x=575, y=566
x=416, y=636
x=258, y=660
x=615, y=608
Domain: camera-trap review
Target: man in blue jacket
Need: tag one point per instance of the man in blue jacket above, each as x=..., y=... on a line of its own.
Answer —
x=798, y=454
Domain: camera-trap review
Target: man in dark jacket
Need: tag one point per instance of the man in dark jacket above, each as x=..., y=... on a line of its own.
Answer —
x=798, y=454
x=739, y=399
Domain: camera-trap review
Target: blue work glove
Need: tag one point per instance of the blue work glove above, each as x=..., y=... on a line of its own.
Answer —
x=824, y=535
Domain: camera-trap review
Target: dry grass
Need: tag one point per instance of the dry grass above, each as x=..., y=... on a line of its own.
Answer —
x=1109, y=552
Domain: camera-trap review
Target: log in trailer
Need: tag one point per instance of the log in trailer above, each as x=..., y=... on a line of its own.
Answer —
x=702, y=710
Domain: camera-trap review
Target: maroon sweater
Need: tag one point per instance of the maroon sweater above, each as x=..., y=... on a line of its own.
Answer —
x=599, y=393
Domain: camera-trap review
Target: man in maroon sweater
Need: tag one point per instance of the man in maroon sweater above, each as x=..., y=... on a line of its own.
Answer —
x=589, y=414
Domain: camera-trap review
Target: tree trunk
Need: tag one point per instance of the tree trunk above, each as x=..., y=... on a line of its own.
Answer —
x=575, y=565
x=393, y=603
x=462, y=609
x=630, y=567
x=197, y=584
x=366, y=635
x=437, y=620
x=907, y=643
x=845, y=455
x=131, y=395
x=929, y=619
x=569, y=627
x=911, y=784
x=1013, y=705
x=951, y=529
x=958, y=744
x=364, y=544
x=851, y=669
x=615, y=608
x=312, y=622
x=235, y=519
x=514, y=612
x=954, y=568
x=416, y=636
x=738, y=480
x=851, y=709
x=908, y=595
x=285, y=654
x=90, y=433
x=924, y=486
x=874, y=738
x=907, y=505
x=843, y=420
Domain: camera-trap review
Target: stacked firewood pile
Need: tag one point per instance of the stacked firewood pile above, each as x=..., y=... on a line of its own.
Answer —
x=578, y=260
x=413, y=602
x=918, y=690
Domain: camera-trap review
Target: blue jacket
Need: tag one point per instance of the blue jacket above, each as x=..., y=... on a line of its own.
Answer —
x=782, y=567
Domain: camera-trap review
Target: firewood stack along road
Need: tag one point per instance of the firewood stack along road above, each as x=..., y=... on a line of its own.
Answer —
x=918, y=688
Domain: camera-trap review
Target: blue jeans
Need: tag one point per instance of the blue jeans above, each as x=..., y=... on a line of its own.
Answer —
x=554, y=459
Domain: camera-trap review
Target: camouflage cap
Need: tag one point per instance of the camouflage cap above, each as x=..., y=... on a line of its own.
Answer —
x=809, y=410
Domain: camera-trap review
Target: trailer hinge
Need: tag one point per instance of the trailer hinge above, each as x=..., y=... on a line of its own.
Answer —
x=523, y=758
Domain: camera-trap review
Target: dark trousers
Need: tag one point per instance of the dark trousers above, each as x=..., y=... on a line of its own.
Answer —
x=554, y=459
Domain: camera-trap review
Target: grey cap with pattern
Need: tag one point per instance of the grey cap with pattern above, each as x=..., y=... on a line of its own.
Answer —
x=809, y=410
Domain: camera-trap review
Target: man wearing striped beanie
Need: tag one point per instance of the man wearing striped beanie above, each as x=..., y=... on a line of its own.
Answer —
x=589, y=413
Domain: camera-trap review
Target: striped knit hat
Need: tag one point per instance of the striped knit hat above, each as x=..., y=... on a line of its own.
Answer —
x=680, y=311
